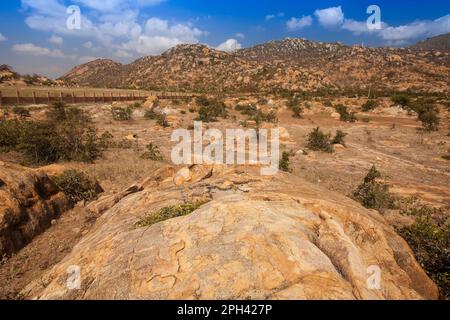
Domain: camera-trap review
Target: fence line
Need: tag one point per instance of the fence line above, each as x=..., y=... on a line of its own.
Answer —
x=71, y=98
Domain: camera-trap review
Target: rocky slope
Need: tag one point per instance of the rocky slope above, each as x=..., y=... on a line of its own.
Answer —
x=29, y=200
x=439, y=43
x=258, y=237
x=289, y=64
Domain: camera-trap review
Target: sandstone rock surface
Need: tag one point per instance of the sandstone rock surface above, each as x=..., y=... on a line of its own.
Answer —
x=259, y=237
x=29, y=201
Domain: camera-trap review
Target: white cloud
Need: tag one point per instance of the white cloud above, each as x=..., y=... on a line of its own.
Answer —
x=230, y=45
x=401, y=35
x=274, y=15
x=31, y=49
x=330, y=17
x=114, y=25
x=56, y=39
x=299, y=23
x=360, y=27
x=2, y=37
x=417, y=29
x=240, y=35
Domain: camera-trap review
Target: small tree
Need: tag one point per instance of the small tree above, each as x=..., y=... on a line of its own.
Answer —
x=430, y=120
x=339, y=138
x=369, y=105
x=121, y=114
x=345, y=115
x=373, y=194
x=319, y=141
x=152, y=152
x=285, y=162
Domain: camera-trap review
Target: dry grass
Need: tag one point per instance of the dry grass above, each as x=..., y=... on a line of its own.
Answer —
x=119, y=168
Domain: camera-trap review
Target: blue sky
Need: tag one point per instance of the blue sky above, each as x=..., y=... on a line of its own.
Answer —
x=34, y=36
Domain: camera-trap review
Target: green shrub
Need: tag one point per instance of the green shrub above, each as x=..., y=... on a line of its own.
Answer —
x=297, y=112
x=339, y=138
x=77, y=186
x=21, y=111
x=202, y=101
x=429, y=238
x=121, y=113
x=161, y=118
x=151, y=114
x=261, y=117
x=152, y=152
x=369, y=105
x=262, y=101
x=66, y=135
x=401, y=100
x=168, y=213
x=285, y=162
x=106, y=140
x=137, y=105
x=373, y=194
x=211, y=111
x=345, y=115
x=319, y=141
x=430, y=120
x=246, y=109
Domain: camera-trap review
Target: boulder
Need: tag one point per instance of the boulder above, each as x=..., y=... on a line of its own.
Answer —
x=29, y=201
x=293, y=240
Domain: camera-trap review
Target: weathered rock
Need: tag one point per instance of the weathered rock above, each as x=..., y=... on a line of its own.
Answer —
x=292, y=241
x=29, y=201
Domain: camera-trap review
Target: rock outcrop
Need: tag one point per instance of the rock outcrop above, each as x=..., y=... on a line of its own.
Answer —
x=29, y=200
x=258, y=237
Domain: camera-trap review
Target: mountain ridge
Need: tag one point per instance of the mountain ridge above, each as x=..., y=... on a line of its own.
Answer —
x=292, y=64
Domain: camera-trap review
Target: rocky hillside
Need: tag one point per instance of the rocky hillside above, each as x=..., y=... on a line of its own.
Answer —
x=289, y=64
x=9, y=77
x=439, y=43
x=291, y=240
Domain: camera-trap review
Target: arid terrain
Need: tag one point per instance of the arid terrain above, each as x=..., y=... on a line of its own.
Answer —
x=304, y=233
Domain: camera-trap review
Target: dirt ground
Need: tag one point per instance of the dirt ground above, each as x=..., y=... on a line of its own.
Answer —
x=410, y=161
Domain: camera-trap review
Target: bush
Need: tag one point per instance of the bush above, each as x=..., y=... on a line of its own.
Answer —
x=202, y=101
x=429, y=238
x=285, y=162
x=261, y=117
x=66, y=135
x=297, y=112
x=106, y=140
x=369, y=105
x=168, y=213
x=345, y=115
x=21, y=111
x=160, y=117
x=211, y=111
x=162, y=120
x=152, y=153
x=247, y=109
x=77, y=186
x=121, y=113
x=373, y=194
x=319, y=141
x=401, y=100
x=339, y=138
x=430, y=120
